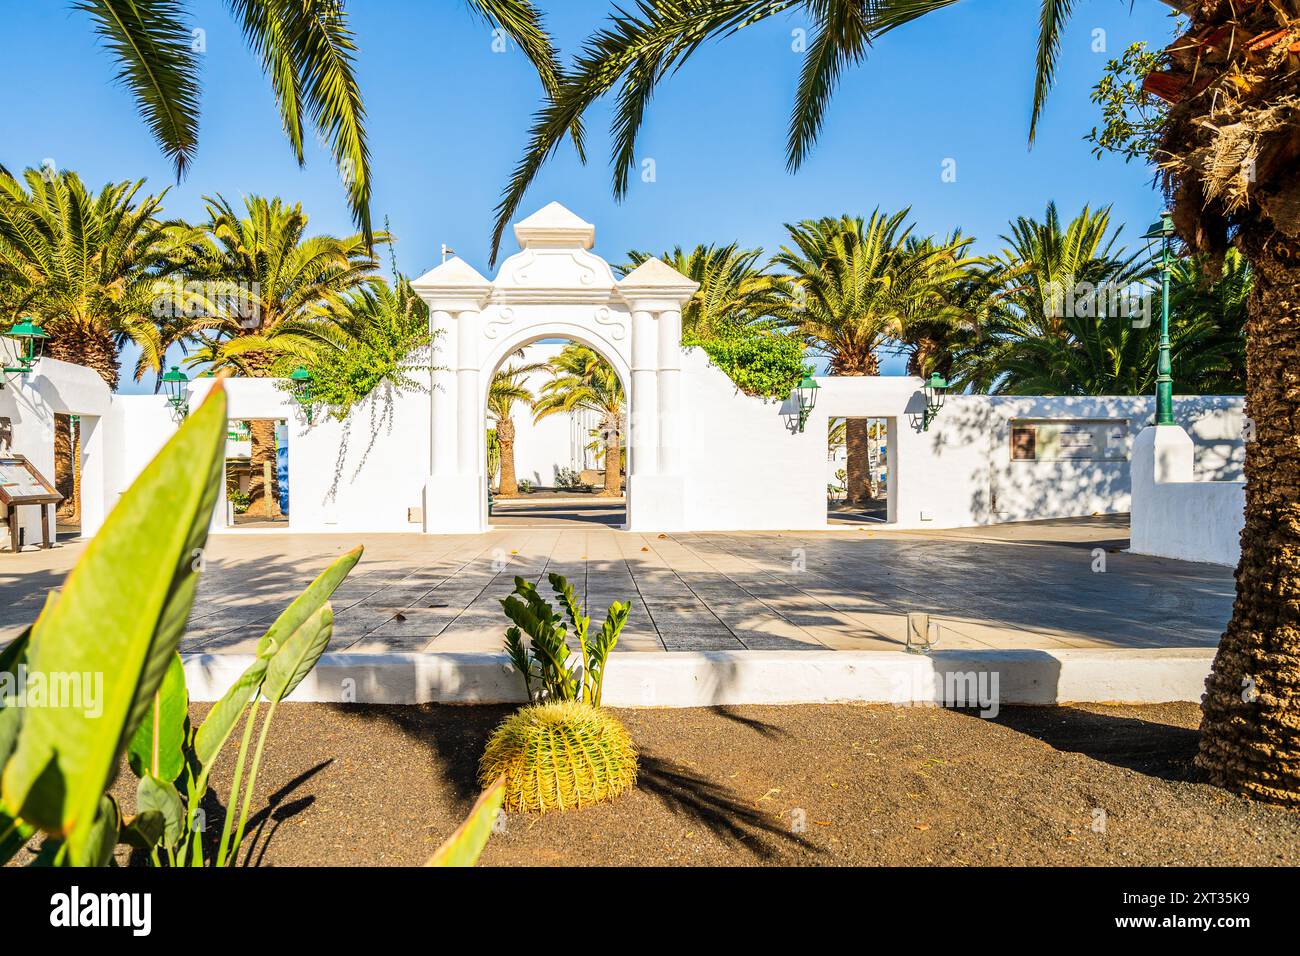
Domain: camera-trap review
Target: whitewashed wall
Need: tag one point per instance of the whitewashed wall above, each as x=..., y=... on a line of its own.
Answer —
x=1177, y=515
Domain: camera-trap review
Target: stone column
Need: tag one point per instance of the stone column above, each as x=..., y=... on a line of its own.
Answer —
x=442, y=395
x=469, y=431
x=642, y=403
x=669, y=388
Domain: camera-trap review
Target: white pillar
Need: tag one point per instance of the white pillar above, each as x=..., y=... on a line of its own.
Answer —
x=469, y=437
x=669, y=388
x=442, y=395
x=642, y=403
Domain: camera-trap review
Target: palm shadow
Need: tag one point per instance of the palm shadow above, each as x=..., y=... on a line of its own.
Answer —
x=717, y=808
x=1164, y=751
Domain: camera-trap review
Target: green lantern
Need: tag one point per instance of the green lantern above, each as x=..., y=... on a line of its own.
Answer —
x=935, y=390
x=176, y=386
x=807, y=390
x=301, y=379
x=30, y=339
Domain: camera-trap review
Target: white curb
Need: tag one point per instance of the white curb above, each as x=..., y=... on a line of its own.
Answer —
x=706, y=678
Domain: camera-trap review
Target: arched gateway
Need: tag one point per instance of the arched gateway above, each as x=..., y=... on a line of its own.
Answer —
x=555, y=287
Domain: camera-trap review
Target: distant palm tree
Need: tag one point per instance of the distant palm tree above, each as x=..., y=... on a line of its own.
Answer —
x=585, y=381
x=939, y=315
x=87, y=265
x=734, y=290
x=1052, y=329
x=854, y=285
x=307, y=50
x=274, y=285
x=506, y=389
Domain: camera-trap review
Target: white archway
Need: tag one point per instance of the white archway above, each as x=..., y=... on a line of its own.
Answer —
x=554, y=287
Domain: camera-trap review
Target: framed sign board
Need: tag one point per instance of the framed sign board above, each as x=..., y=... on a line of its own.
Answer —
x=21, y=484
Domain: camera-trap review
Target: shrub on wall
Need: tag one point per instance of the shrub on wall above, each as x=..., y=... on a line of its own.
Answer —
x=762, y=362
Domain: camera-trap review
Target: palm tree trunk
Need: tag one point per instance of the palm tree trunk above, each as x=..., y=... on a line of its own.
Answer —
x=1250, y=725
x=263, y=501
x=857, y=466
x=92, y=347
x=509, y=485
x=613, y=463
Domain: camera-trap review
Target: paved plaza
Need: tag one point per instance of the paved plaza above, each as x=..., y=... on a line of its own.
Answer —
x=1029, y=585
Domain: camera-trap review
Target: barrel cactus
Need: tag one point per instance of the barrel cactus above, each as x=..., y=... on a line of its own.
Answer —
x=559, y=756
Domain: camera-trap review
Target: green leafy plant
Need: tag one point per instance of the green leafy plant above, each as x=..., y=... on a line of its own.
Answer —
x=761, y=362
x=550, y=668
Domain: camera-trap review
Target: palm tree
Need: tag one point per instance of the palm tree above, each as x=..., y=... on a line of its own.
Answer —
x=376, y=334
x=506, y=389
x=1227, y=153
x=931, y=324
x=275, y=284
x=306, y=48
x=734, y=290
x=87, y=265
x=585, y=381
x=854, y=286
x=1051, y=326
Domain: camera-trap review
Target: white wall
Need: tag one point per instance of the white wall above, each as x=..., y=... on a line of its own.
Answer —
x=362, y=474
x=1174, y=514
x=745, y=462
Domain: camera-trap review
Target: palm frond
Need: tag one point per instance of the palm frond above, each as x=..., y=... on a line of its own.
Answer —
x=154, y=48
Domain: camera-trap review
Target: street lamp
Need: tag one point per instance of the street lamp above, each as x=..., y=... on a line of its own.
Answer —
x=30, y=338
x=935, y=390
x=807, y=391
x=1164, y=231
x=176, y=386
x=301, y=379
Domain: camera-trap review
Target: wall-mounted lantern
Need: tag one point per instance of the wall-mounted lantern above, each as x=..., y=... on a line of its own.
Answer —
x=935, y=390
x=807, y=391
x=30, y=338
x=301, y=379
x=176, y=385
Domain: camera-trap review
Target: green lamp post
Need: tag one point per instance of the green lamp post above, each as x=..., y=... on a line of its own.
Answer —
x=936, y=390
x=31, y=343
x=1164, y=231
x=301, y=379
x=175, y=384
x=807, y=391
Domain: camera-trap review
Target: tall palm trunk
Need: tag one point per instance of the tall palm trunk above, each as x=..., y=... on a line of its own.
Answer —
x=263, y=501
x=509, y=485
x=1250, y=727
x=613, y=462
x=857, y=464
x=90, y=346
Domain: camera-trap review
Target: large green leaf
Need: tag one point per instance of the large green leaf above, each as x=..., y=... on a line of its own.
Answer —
x=225, y=713
x=119, y=615
x=157, y=747
x=144, y=830
x=102, y=837
x=299, y=655
x=465, y=845
x=307, y=603
x=12, y=658
x=153, y=795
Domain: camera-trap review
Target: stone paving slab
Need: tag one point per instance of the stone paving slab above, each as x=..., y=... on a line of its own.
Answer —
x=1027, y=586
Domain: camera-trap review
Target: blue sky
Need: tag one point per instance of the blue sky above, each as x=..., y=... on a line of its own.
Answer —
x=447, y=118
